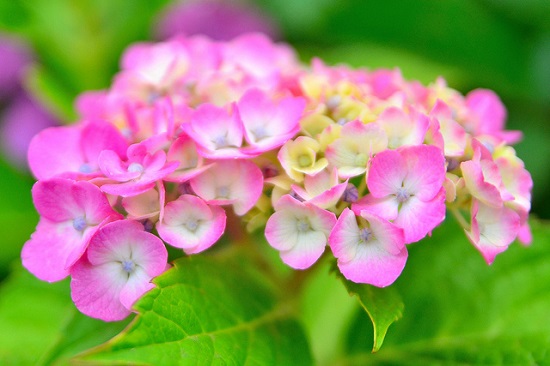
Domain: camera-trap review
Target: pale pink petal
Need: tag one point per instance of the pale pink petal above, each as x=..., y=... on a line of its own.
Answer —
x=377, y=261
x=189, y=223
x=299, y=230
x=269, y=124
x=237, y=182
x=417, y=218
x=386, y=207
x=386, y=174
x=493, y=229
x=474, y=178
x=218, y=132
x=425, y=170
x=142, y=206
x=184, y=151
x=117, y=269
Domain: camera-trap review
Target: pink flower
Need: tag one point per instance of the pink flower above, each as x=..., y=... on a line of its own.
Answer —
x=136, y=175
x=189, y=223
x=406, y=186
x=73, y=150
x=268, y=124
x=372, y=252
x=322, y=189
x=403, y=129
x=70, y=213
x=447, y=133
x=230, y=182
x=299, y=230
x=116, y=270
x=482, y=177
x=358, y=142
x=493, y=229
x=217, y=131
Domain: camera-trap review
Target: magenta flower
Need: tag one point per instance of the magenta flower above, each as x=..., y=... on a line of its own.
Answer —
x=73, y=150
x=372, y=251
x=406, y=186
x=116, y=270
x=230, y=17
x=136, y=175
x=70, y=213
x=268, y=124
x=218, y=132
x=299, y=230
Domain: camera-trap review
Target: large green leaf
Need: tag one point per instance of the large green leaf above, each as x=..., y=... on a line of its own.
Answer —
x=383, y=305
x=458, y=310
x=209, y=310
x=39, y=325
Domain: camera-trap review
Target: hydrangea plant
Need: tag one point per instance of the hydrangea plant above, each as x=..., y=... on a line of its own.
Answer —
x=197, y=138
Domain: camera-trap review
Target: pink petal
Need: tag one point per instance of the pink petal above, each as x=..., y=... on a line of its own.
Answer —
x=386, y=174
x=219, y=133
x=56, y=150
x=377, y=262
x=120, y=262
x=425, y=170
x=417, y=218
x=299, y=230
x=189, y=223
x=240, y=181
x=269, y=124
x=98, y=136
x=95, y=290
x=493, y=229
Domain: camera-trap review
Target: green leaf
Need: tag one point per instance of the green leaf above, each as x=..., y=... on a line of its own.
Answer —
x=461, y=311
x=209, y=310
x=383, y=305
x=39, y=325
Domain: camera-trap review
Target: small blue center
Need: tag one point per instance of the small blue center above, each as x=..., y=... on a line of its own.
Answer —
x=303, y=225
x=128, y=266
x=79, y=223
x=192, y=225
x=223, y=192
x=135, y=168
x=366, y=235
x=85, y=168
x=402, y=195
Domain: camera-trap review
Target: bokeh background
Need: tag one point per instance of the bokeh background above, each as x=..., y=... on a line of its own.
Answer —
x=52, y=50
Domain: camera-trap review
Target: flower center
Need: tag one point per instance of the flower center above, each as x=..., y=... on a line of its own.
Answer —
x=85, y=168
x=79, y=223
x=135, y=168
x=128, y=266
x=303, y=225
x=259, y=133
x=192, y=225
x=304, y=160
x=402, y=195
x=366, y=235
x=361, y=160
x=220, y=141
x=223, y=192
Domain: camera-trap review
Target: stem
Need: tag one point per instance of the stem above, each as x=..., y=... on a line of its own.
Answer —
x=461, y=220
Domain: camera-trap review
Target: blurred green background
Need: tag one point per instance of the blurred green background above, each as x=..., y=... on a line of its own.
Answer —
x=503, y=45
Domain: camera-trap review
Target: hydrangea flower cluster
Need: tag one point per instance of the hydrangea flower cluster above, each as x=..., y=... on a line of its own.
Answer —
x=193, y=130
